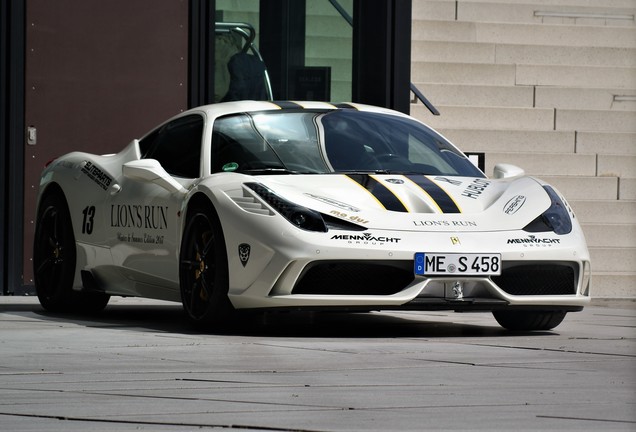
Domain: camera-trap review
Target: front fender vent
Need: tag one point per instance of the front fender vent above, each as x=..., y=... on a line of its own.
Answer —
x=249, y=203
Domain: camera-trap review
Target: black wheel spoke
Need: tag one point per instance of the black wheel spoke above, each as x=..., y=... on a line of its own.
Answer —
x=209, y=245
x=193, y=297
x=44, y=269
x=188, y=264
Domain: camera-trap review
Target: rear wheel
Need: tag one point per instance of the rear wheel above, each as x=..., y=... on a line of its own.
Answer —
x=54, y=254
x=529, y=320
x=203, y=272
x=54, y=260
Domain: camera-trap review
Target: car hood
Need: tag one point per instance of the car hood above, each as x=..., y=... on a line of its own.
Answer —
x=417, y=202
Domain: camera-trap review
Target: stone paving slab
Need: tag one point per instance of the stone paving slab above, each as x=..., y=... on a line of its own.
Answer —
x=139, y=366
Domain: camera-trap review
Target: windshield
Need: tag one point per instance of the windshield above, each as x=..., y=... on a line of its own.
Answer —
x=343, y=140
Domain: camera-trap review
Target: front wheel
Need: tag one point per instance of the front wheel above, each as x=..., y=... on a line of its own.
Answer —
x=203, y=270
x=529, y=320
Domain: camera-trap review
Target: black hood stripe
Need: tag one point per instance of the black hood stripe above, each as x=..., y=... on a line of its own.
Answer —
x=345, y=106
x=439, y=195
x=287, y=105
x=380, y=192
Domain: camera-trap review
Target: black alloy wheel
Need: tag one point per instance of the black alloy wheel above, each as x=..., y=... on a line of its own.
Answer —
x=203, y=272
x=54, y=254
x=54, y=260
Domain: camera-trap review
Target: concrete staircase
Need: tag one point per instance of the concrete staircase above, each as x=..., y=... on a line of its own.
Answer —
x=549, y=85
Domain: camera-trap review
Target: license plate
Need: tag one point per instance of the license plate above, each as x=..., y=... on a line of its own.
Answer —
x=446, y=264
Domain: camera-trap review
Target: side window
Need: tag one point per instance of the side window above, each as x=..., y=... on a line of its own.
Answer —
x=148, y=143
x=177, y=146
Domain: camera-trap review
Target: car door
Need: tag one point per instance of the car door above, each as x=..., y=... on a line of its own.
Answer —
x=144, y=214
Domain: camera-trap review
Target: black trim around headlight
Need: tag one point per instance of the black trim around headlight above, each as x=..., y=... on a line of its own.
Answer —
x=299, y=216
x=556, y=218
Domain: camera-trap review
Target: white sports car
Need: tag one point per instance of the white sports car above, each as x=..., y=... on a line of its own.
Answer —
x=309, y=205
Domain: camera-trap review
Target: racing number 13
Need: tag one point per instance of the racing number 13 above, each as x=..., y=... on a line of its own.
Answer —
x=87, y=222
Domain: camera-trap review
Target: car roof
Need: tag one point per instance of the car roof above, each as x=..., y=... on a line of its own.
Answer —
x=246, y=106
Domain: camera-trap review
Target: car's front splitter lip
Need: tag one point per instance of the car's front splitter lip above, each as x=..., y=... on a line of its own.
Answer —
x=418, y=292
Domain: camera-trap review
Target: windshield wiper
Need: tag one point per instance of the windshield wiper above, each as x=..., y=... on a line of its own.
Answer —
x=369, y=171
x=273, y=171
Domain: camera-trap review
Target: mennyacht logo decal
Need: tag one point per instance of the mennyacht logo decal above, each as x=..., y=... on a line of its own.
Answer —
x=366, y=239
x=534, y=241
x=514, y=204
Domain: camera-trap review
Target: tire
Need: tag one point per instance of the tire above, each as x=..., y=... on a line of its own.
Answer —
x=54, y=260
x=54, y=254
x=203, y=270
x=529, y=320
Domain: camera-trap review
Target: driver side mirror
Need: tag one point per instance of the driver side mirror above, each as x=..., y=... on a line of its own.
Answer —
x=151, y=171
x=504, y=171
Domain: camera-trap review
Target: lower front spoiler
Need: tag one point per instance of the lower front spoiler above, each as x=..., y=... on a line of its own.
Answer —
x=435, y=304
x=477, y=305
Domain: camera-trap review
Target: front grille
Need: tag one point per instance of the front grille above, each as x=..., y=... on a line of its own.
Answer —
x=537, y=279
x=354, y=278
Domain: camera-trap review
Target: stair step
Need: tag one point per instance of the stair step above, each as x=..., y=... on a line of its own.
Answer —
x=617, y=166
x=610, y=235
x=533, y=13
x=586, y=98
x=589, y=211
x=329, y=47
x=596, y=120
x=627, y=188
x=453, y=52
x=463, y=73
x=526, y=96
x=594, y=77
x=576, y=76
x=458, y=117
x=606, y=143
x=525, y=34
x=477, y=140
x=586, y=188
x=482, y=95
x=332, y=24
x=565, y=55
x=502, y=53
x=540, y=164
x=614, y=284
x=507, y=11
x=442, y=10
x=613, y=259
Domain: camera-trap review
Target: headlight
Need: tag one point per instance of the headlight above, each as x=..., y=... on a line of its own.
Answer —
x=556, y=218
x=299, y=216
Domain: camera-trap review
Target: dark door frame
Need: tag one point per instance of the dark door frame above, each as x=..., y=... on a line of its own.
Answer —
x=282, y=41
x=201, y=52
x=382, y=53
x=12, y=69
